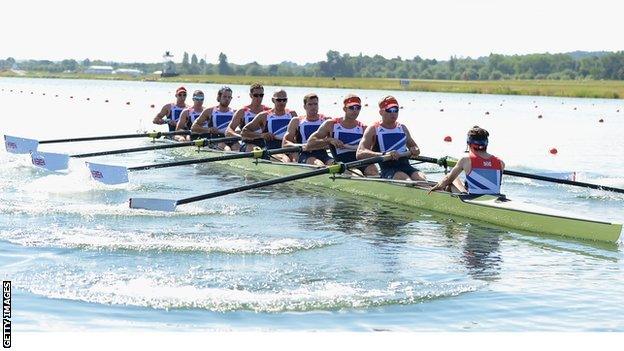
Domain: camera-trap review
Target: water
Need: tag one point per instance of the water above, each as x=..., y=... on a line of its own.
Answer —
x=287, y=258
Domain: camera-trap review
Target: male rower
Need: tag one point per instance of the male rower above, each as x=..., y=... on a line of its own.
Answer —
x=342, y=135
x=172, y=111
x=483, y=171
x=301, y=128
x=189, y=115
x=214, y=120
x=247, y=114
x=267, y=129
x=390, y=137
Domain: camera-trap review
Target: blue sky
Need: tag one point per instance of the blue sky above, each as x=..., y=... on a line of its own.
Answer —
x=271, y=31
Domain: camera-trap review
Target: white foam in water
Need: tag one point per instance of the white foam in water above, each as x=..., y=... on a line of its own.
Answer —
x=150, y=290
x=107, y=239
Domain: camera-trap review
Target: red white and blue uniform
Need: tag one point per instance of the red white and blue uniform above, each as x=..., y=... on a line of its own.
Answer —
x=193, y=114
x=392, y=139
x=348, y=136
x=485, y=175
x=304, y=131
x=174, y=114
x=220, y=120
x=249, y=115
x=277, y=125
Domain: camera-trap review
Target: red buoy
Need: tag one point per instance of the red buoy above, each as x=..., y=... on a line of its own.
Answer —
x=540, y=116
x=365, y=105
x=71, y=97
x=106, y=100
x=553, y=151
x=487, y=112
x=601, y=120
x=441, y=110
x=127, y=102
x=401, y=107
x=88, y=99
x=152, y=105
x=448, y=139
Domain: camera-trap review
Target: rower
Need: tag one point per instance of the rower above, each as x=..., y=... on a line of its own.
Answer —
x=214, y=120
x=172, y=111
x=247, y=114
x=342, y=135
x=483, y=171
x=267, y=129
x=189, y=115
x=301, y=128
x=390, y=137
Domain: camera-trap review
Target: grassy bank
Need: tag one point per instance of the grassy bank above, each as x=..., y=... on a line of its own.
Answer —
x=563, y=88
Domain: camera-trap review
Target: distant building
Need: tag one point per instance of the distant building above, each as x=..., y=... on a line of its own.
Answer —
x=99, y=70
x=129, y=71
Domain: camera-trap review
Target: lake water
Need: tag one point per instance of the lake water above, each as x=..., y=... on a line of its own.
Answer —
x=290, y=258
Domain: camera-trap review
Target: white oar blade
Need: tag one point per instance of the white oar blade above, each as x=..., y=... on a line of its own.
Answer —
x=16, y=145
x=49, y=160
x=559, y=175
x=108, y=174
x=153, y=204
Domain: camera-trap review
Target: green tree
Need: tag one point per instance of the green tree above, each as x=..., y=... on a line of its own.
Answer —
x=224, y=67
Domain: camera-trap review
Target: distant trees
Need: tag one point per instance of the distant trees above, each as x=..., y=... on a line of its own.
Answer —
x=576, y=65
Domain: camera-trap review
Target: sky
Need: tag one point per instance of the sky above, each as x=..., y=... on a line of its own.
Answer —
x=272, y=31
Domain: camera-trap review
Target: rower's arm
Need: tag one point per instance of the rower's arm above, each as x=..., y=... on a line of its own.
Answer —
x=183, y=121
x=290, y=138
x=236, y=122
x=410, y=143
x=365, y=148
x=319, y=139
x=462, y=165
x=164, y=112
x=249, y=130
x=197, y=126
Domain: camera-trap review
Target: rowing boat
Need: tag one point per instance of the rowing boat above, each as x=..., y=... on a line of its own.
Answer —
x=497, y=210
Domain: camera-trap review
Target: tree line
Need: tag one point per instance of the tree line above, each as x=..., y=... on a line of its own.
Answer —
x=574, y=65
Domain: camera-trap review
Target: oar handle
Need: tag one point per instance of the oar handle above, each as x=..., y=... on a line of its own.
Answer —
x=111, y=137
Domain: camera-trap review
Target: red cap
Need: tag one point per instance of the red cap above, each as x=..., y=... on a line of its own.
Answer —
x=180, y=89
x=352, y=100
x=387, y=102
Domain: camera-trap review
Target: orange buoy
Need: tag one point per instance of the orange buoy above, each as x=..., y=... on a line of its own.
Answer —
x=448, y=139
x=553, y=151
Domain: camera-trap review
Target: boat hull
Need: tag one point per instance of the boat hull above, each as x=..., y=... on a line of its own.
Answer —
x=491, y=209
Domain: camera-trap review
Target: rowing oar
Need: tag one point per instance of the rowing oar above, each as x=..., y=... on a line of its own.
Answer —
x=17, y=145
x=109, y=174
x=170, y=205
x=447, y=162
x=56, y=162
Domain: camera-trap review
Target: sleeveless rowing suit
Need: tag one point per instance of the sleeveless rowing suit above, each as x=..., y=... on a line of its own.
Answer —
x=349, y=136
x=174, y=115
x=392, y=139
x=192, y=116
x=277, y=125
x=485, y=175
x=304, y=131
x=221, y=120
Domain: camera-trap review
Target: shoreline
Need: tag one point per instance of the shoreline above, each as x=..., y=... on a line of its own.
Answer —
x=553, y=88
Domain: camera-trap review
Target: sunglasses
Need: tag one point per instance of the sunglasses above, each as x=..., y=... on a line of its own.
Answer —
x=392, y=110
x=355, y=107
x=257, y=95
x=181, y=95
x=281, y=99
x=198, y=98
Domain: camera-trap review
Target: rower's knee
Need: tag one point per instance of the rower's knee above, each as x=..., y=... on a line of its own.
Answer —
x=401, y=176
x=418, y=176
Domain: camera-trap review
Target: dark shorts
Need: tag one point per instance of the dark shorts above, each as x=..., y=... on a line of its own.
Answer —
x=218, y=136
x=349, y=157
x=253, y=143
x=318, y=154
x=389, y=168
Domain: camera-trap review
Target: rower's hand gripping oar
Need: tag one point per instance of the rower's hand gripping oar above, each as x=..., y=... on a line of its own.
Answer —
x=18, y=145
x=109, y=174
x=448, y=162
x=56, y=162
x=170, y=205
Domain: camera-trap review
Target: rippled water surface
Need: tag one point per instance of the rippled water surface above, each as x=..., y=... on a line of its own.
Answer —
x=296, y=258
